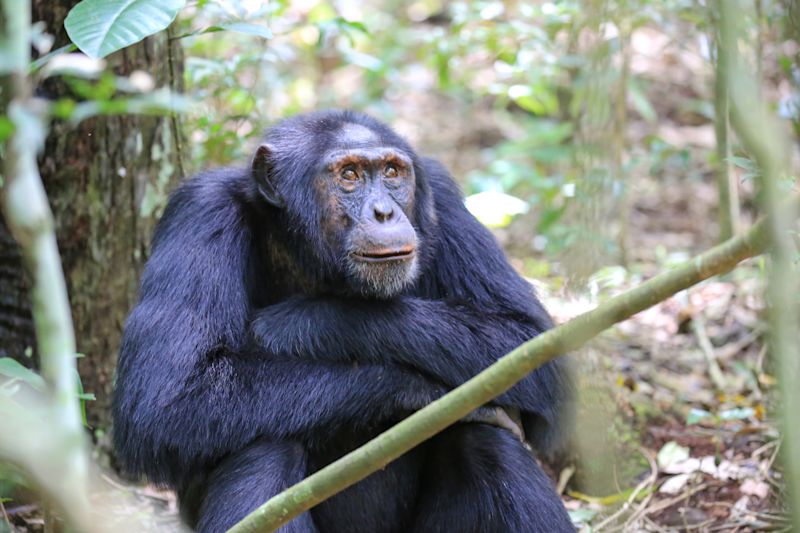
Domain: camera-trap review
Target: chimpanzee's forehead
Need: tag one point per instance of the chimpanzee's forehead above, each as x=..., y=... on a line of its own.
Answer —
x=355, y=140
x=365, y=155
x=356, y=135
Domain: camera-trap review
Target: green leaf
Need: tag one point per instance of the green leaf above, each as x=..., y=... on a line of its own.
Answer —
x=582, y=515
x=739, y=413
x=743, y=162
x=696, y=415
x=42, y=61
x=12, y=369
x=352, y=25
x=642, y=104
x=100, y=27
x=671, y=453
x=246, y=28
x=83, y=397
x=6, y=128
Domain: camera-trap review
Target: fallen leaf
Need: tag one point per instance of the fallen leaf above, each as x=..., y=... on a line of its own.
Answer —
x=671, y=453
x=708, y=465
x=755, y=488
x=683, y=467
x=674, y=484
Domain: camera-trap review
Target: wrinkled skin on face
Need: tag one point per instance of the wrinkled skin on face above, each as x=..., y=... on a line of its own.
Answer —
x=366, y=194
x=371, y=195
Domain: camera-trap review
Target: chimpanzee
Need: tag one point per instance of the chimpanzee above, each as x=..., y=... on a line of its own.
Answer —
x=293, y=310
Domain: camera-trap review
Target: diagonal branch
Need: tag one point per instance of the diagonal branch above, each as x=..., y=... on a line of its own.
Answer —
x=495, y=380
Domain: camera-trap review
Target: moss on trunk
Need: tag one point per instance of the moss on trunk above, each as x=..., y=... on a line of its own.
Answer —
x=107, y=180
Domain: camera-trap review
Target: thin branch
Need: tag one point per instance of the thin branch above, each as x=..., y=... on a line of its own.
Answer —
x=646, y=483
x=495, y=380
x=763, y=136
x=27, y=440
x=30, y=221
x=698, y=325
x=727, y=186
x=4, y=514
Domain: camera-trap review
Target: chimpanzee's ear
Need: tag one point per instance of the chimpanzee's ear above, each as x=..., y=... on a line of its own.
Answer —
x=262, y=170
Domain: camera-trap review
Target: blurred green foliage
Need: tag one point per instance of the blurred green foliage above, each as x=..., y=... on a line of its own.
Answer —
x=566, y=105
x=549, y=75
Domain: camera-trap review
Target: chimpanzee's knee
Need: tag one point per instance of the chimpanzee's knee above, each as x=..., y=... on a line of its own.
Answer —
x=482, y=479
x=247, y=479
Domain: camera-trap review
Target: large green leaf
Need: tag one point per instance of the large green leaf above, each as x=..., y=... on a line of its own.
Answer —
x=100, y=27
x=11, y=369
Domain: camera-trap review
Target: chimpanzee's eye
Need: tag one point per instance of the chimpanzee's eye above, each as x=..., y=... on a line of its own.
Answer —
x=350, y=174
x=390, y=171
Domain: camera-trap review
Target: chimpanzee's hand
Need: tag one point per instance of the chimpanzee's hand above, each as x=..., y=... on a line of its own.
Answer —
x=299, y=327
x=498, y=416
x=419, y=392
x=424, y=392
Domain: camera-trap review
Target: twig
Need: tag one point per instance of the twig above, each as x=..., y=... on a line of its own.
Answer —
x=644, y=503
x=762, y=353
x=733, y=348
x=564, y=478
x=5, y=516
x=774, y=455
x=748, y=525
x=714, y=371
x=49, y=520
x=765, y=470
x=660, y=506
x=108, y=479
x=768, y=467
x=699, y=525
x=771, y=516
x=654, y=526
x=649, y=481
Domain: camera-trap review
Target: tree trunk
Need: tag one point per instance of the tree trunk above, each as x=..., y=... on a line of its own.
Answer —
x=107, y=180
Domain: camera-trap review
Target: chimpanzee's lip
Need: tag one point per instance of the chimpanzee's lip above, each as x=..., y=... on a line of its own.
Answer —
x=385, y=254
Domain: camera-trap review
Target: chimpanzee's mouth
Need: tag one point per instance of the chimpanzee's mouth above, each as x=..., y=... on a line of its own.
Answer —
x=385, y=254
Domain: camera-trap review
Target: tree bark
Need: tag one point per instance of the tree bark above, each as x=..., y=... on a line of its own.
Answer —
x=107, y=180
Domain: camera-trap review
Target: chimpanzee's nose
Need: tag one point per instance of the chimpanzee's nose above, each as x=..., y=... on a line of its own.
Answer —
x=384, y=212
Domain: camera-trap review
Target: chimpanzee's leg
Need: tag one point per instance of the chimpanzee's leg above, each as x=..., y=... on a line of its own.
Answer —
x=481, y=479
x=248, y=478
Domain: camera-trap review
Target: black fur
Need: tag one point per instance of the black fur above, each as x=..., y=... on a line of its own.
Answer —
x=251, y=360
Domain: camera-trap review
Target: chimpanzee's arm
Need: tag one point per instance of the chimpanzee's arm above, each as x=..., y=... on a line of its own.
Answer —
x=447, y=341
x=190, y=388
x=474, y=310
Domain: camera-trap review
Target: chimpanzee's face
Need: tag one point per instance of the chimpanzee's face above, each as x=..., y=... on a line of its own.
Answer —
x=351, y=196
x=367, y=191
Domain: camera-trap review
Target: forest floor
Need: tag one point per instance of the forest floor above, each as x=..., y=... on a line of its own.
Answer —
x=677, y=423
